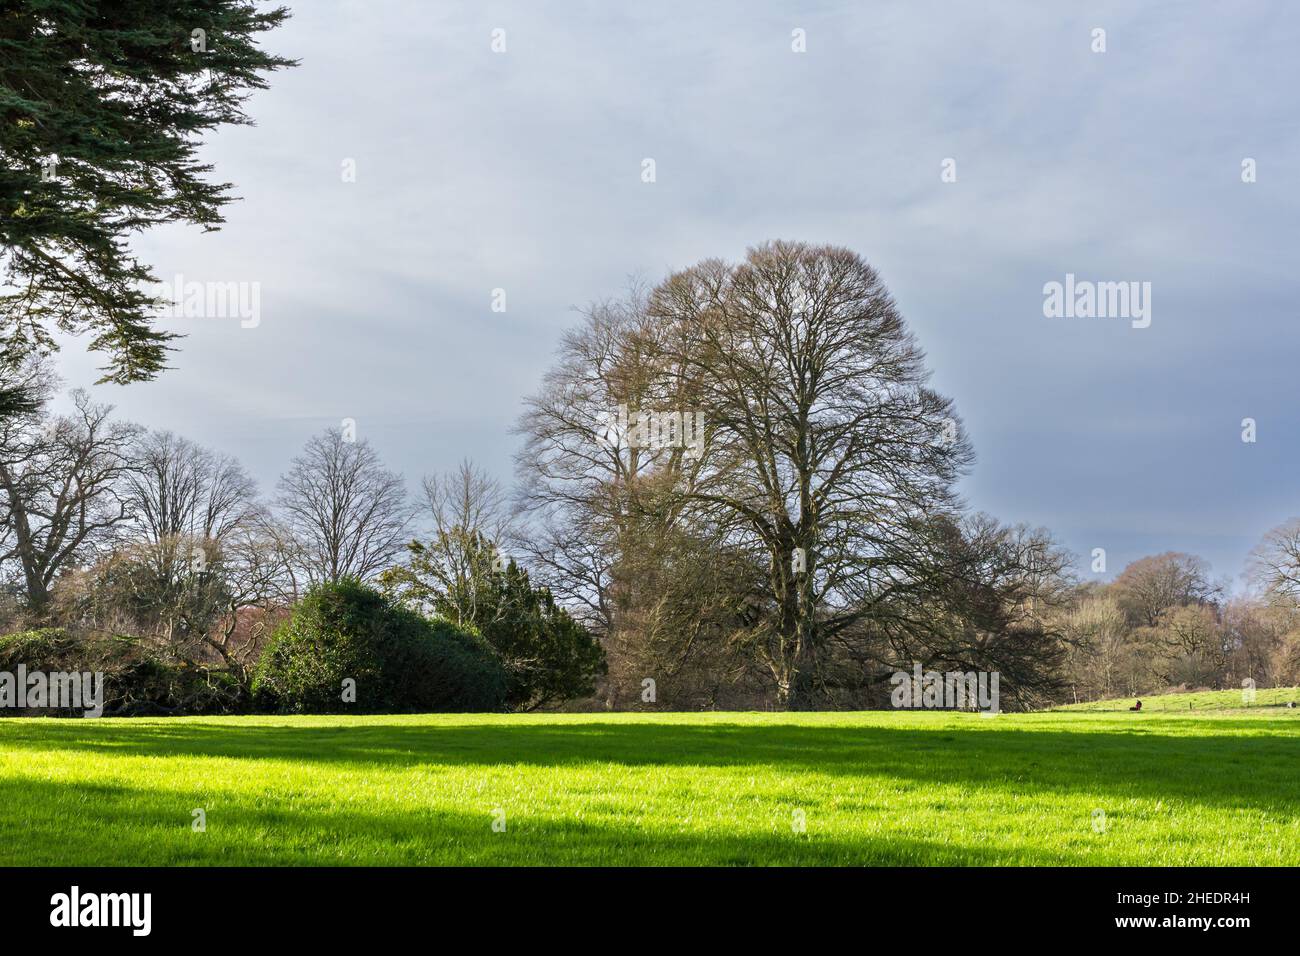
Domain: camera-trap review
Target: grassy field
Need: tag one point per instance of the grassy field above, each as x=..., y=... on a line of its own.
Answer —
x=1221, y=701
x=870, y=788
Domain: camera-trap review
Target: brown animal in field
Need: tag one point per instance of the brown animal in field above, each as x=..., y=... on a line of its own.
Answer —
x=1137, y=706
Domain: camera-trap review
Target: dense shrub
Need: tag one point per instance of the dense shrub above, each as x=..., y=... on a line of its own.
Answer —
x=136, y=681
x=401, y=662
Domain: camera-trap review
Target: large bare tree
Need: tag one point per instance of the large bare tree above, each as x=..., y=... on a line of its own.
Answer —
x=827, y=449
x=810, y=527
x=606, y=529
x=185, y=500
x=62, y=490
x=345, y=514
x=577, y=482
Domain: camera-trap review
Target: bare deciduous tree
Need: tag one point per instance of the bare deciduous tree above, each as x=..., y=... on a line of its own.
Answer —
x=345, y=514
x=468, y=517
x=467, y=498
x=825, y=448
x=185, y=500
x=574, y=488
x=1096, y=632
x=180, y=488
x=1150, y=586
x=1275, y=563
x=62, y=487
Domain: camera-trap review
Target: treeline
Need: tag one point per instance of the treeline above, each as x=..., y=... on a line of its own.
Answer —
x=735, y=489
x=1163, y=624
x=153, y=559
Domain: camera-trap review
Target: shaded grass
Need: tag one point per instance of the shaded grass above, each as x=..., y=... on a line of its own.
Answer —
x=648, y=789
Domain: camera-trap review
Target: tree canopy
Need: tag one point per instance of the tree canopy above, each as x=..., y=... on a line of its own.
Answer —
x=102, y=110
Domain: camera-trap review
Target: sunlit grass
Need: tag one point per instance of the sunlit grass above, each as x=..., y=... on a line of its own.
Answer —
x=627, y=789
x=1257, y=702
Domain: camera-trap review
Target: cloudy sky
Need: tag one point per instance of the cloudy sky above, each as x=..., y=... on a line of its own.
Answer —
x=521, y=170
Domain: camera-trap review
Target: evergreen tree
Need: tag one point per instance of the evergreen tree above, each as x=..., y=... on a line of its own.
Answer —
x=103, y=104
x=548, y=655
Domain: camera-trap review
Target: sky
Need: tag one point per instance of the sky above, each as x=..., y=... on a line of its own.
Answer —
x=521, y=170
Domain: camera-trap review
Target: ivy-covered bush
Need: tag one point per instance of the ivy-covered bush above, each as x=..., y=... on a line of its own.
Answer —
x=136, y=681
x=349, y=649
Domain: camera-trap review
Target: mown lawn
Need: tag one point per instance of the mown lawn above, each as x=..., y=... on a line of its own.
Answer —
x=871, y=788
x=1263, y=701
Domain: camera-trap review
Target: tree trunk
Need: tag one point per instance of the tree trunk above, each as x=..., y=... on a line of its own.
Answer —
x=797, y=670
x=801, y=689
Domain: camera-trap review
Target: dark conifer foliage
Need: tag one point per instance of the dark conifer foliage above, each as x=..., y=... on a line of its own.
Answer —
x=103, y=107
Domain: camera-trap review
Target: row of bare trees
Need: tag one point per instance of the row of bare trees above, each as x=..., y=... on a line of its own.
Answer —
x=113, y=528
x=1163, y=623
x=144, y=548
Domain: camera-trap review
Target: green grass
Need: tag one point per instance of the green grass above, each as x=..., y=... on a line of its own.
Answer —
x=873, y=788
x=1206, y=700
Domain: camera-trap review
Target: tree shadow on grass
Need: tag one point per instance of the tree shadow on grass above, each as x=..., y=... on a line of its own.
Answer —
x=117, y=825
x=1237, y=770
